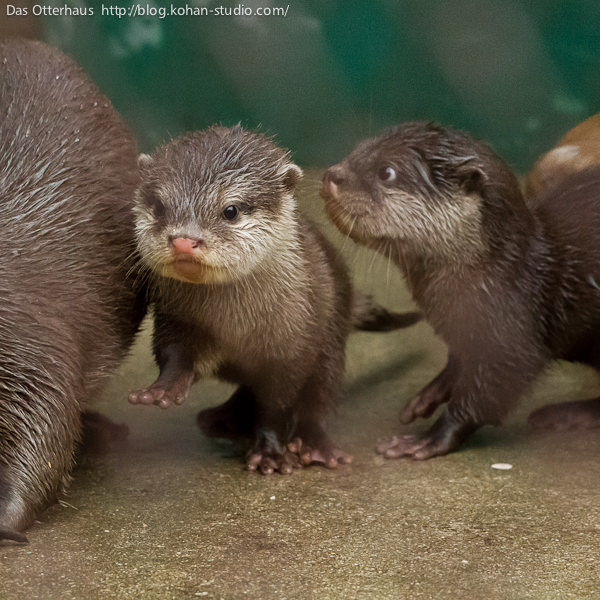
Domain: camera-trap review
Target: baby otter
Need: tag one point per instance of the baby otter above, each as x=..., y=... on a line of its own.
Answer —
x=577, y=150
x=508, y=287
x=245, y=288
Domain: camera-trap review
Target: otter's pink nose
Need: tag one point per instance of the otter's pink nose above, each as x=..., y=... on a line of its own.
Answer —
x=335, y=174
x=186, y=245
x=331, y=181
x=329, y=188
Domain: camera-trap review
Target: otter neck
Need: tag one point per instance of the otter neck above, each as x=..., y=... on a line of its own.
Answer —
x=505, y=240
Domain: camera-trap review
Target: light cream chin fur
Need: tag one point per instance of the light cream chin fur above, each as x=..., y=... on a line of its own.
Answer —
x=445, y=230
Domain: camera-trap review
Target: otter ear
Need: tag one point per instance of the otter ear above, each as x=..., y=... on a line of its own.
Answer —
x=144, y=161
x=471, y=178
x=291, y=175
x=423, y=167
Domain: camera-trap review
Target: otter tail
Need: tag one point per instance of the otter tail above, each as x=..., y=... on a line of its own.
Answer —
x=11, y=534
x=367, y=315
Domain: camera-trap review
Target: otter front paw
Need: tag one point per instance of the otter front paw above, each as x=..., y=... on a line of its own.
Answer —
x=320, y=454
x=445, y=436
x=410, y=446
x=159, y=395
x=268, y=455
x=267, y=462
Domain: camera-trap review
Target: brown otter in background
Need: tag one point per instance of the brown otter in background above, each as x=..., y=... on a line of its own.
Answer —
x=577, y=150
x=507, y=287
x=68, y=314
x=246, y=289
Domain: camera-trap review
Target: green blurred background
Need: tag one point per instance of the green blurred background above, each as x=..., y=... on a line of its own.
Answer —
x=517, y=73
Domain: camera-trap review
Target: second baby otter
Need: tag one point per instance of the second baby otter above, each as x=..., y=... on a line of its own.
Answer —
x=245, y=288
x=507, y=286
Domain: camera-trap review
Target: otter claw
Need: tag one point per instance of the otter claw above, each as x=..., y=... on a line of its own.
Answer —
x=328, y=457
x=444, y=436
x=158, y=396
x=410, y=447
x=267, y=464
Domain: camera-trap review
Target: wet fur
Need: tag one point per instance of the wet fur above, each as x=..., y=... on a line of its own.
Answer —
x=507, y=287
x=68, y=313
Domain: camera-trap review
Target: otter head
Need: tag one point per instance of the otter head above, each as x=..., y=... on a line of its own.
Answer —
x=212, y=206
x=419, y=186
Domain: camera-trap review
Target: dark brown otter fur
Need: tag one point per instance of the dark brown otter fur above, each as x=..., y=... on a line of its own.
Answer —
x=68, y=312
x=508, y=287
x=260, y=299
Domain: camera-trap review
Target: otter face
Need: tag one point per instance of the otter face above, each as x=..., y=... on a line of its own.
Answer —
x=214, y=205
x=416, y=184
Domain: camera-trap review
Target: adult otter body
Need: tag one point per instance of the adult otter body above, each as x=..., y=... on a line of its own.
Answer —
x=507, y=286
x=68, y=314
x=245, y=288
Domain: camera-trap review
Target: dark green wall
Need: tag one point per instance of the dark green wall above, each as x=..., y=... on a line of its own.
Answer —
x=518, y=73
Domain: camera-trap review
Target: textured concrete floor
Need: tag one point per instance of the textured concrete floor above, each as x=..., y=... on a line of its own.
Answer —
x=171, y=514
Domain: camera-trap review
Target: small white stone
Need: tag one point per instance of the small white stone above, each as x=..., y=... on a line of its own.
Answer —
x=502, y=466
x=272, y=498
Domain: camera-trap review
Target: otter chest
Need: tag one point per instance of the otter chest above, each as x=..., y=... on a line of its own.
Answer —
x=243, y=321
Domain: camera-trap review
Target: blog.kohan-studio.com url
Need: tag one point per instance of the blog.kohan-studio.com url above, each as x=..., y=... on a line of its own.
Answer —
x=147, y=10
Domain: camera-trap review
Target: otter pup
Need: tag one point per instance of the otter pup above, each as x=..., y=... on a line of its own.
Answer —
x=506, y=286
x=577, y=150
x=245, y=288
x=68, y=312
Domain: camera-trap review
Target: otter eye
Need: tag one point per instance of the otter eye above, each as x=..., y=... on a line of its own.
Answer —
x=387, y=174
x=231, y=212
x=155, y=203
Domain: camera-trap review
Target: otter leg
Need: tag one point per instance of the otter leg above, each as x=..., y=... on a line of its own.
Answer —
x=435, y=393
x=232, y=419
x=579, y=414
x=176, y=348
x=316, y=401
x=582, y=414
x=99, y=432
x=39, y=429
x=445, y=435
x=174, y=381
x=482, y=392
x=276, y=390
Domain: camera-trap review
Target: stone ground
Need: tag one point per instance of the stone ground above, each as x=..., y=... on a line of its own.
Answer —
x=172, y=514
